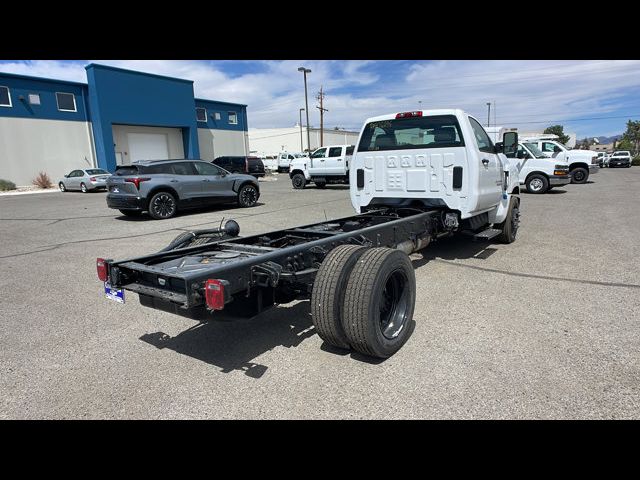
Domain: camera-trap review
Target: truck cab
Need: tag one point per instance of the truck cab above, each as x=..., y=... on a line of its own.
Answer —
x=328, y=164
x=582, y=163
x=285, y=159
x=436, y=158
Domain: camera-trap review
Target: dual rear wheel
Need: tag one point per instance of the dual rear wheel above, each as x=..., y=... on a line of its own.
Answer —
x=363, y=299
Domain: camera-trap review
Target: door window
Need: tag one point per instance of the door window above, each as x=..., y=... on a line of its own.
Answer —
x=482, y=139
x=319, y=153
x=335, y=151
x=548, y=147
x=206, y=168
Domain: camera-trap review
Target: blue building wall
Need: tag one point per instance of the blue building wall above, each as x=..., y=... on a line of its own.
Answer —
x=118, y=96
x=22, y=86
x=223, y=108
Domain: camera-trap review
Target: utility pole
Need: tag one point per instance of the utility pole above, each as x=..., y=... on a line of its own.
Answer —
x=306, y=103
x=301, y=145
x=489, y=114
x=320, y=98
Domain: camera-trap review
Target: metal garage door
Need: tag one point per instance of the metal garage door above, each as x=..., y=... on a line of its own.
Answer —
x=148, y=146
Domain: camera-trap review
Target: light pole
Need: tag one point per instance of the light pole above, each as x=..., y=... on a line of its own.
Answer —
x=301, y=145
x=488, y=114
x=306, y=102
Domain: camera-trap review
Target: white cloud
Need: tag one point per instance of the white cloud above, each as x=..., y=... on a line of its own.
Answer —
x=523, y=91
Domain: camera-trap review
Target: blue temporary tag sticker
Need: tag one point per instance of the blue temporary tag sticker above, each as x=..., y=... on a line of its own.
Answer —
x=116, y=294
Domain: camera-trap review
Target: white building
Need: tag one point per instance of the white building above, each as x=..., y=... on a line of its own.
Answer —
x=270, y=141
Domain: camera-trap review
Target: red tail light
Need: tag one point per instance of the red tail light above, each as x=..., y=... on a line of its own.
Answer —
x=214, y=294
x=92, y=179
x=101, y=266
x=417, y=113
x=136, y=181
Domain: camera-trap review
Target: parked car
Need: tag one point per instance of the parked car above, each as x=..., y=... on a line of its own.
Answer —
x=328, y=164
x=84, y=180
x=240, y=164
x=162, y=187
x=539, y=173
x=620, y=158
x=285, y=159
x=582, y=163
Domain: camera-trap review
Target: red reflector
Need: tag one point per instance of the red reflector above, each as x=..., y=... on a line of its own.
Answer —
x=214, y=294
x=101, y=266
x=136, y=181
x=417, y=113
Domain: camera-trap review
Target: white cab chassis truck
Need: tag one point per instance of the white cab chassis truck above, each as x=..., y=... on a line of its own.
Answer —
x=582, y=163
x=328, y=164
x=416, y=177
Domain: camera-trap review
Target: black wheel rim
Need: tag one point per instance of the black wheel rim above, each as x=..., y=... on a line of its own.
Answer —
x=248, y=196
x=163, y=205
x=297, y=181
x=578, y=175
x=394, y=305
x=515, y=221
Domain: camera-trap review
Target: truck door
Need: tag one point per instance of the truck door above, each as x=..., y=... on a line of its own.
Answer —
x=490, y=168
x=335, y=163
x=318, y=160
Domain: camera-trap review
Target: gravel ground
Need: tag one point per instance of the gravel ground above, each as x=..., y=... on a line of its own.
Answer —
x=544, y=328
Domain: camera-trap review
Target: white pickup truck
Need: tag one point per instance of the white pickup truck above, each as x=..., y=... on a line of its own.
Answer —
x=285, y=159
x=328, y=164
x=582, y=163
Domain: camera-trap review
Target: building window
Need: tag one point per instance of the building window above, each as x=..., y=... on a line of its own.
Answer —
x=5, y=97
x=66, y=102
x=201, y=114
x=34, y=99
x=217, y=115
x=233, y=118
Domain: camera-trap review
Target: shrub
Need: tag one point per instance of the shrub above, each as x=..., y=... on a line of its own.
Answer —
x=636, y=160
x=6, y=185
x=42, y=180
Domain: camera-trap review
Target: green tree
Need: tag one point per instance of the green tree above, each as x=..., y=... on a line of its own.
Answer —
x=631, y=138
x=559, y=131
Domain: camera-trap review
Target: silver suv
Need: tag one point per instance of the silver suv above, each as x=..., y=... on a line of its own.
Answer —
x=161, y=187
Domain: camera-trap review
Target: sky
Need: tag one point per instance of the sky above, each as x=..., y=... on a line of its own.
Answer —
x=590, y=98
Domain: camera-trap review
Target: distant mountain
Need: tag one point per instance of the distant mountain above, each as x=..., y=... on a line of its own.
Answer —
x=609, y=139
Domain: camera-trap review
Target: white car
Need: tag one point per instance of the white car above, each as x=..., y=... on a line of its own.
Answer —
x=582, y=163
x=84, y=180
x=539, y=173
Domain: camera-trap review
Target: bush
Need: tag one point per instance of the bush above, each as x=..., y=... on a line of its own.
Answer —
x=636, y=160
x=42, y=180
x=6, y=185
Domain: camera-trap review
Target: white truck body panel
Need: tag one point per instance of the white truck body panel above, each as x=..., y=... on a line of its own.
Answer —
x=426, y=174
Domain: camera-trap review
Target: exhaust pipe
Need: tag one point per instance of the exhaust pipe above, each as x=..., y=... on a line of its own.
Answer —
x=411, y=246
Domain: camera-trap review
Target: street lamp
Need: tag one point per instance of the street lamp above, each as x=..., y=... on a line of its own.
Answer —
x=489, y=114
x=301, y=145
x=306, y=102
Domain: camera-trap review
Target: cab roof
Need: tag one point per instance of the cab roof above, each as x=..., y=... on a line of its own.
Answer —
x=425, y=113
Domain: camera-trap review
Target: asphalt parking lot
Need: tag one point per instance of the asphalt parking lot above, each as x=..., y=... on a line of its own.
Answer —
x=547, y=327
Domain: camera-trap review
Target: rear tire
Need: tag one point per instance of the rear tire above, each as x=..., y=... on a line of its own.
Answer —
x=162, y=205
x=510, y=225
x=579, y=175
x=62, y=187
x=83, y=188
x=248, y=196
x=537, y=183
x=327, y=297
x=298, y=181
x=379, y=301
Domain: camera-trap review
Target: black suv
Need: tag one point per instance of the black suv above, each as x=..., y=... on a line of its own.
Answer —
x=239, y=164
x=161, y=187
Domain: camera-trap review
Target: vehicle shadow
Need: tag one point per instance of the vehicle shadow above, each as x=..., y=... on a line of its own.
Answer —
x=183, y=213
x=555, y=191
x=233, y=345
x=458, y=247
